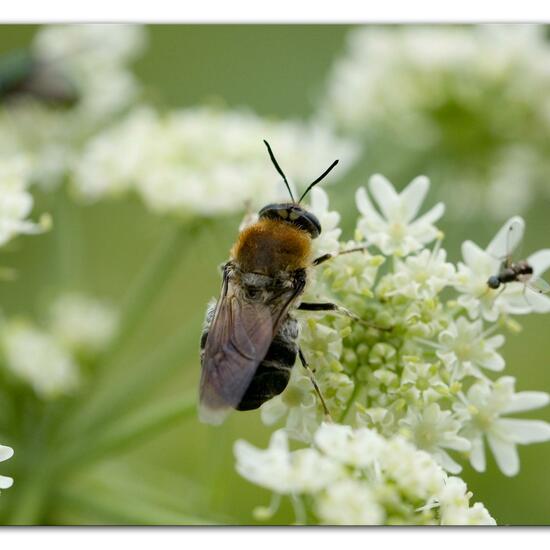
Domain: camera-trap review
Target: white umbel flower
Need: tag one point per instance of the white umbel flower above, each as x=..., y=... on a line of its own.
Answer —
x=415, y=472
x=455, y=509
x=422, y=276
x=465, y=349
x=282, y=471
x=349, y=502
x=482, y=412
x=403, y=88
x=92, y=54
x=15, y=201
x=37, y=358
x=399, y=368
x=82, y=323
x=435, y=431
x=359, y=448
x=203, y=161
x=94, y=59
x=5, y=454
x=394, y=229
x=357, y=477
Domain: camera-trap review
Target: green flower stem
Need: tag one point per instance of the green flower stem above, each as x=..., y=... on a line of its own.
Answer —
x=127, y=433
x=144, y=290
x=67, y=232
x=112, y=507
x=351, y=400
x=31, y=491
x=120, y=396
x=151, y=281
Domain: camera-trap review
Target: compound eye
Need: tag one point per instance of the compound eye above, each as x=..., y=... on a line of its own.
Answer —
x=493, y=282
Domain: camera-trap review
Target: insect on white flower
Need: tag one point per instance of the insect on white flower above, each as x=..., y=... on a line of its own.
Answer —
x=517, y=297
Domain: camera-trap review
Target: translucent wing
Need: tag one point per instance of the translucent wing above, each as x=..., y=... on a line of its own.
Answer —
x=238, y=340
x=507, y=238
x=539, y=285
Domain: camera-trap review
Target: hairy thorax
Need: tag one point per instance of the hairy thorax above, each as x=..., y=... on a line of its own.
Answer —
x=270, y=246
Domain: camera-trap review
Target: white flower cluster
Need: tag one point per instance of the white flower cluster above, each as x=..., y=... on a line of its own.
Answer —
x=50, y=359
x=416, y=364
x=94, y=60
x=357, y=477
x=5, y=453
x=467, y=103
x=203, y=161
x=16, y=202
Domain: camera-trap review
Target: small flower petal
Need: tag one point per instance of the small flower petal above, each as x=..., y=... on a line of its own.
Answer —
x=506, y=455
x=525, y=431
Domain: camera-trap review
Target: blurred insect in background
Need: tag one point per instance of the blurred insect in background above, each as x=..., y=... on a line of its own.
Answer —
x=24, y=75
x=511, y=271
x=249, y=341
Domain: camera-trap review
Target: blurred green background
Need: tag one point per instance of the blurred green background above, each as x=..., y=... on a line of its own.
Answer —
x=187, y=471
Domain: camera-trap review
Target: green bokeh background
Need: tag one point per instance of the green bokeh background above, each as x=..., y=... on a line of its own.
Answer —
x=276, y=71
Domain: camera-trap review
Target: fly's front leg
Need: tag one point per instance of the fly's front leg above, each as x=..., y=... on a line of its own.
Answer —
x=329, y=306
x=315, y=385
x=325, y=257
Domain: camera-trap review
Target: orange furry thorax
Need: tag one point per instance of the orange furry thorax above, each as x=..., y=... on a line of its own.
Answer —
x=271, y=246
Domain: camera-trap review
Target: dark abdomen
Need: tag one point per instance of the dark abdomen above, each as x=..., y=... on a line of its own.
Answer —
x=273, y=373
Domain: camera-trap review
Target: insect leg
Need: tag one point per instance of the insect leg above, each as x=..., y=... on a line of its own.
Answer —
x=315, y=385
x=322, y=259
x=329, y=306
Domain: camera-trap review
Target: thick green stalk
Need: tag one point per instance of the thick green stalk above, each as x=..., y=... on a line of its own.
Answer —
x=128, y=510
x=120, y=396
x=68, y=242
x=28, y=505
x=150, y=282
x=146, y=287
x=126, y=433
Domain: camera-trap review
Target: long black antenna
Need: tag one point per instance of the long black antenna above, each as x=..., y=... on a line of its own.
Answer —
x=278, y=168
x=322, y=176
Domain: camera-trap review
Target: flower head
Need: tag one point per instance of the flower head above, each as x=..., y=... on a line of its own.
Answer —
x=428, y=93
x=15, y=201
x=455, y=509
x=394, y=230
x=203, y=161
x=435, y=430
x=349, y=502
x=481, y=414
x=465, y=349
x=421, y=276
x=356, y=477
x=37, y=358
x=282, y=471
x=82, y=323
x=86, y=56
